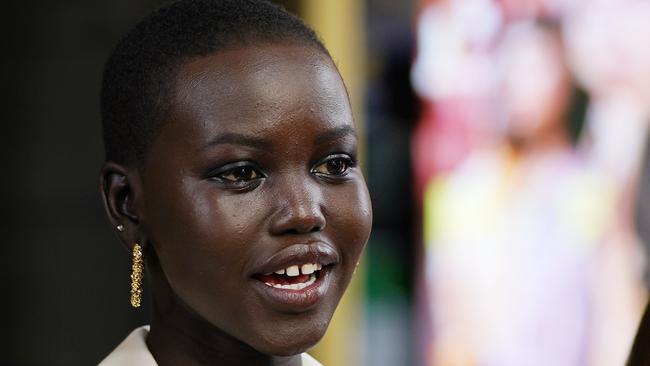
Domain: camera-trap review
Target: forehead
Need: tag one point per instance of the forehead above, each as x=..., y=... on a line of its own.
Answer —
x=256, y=88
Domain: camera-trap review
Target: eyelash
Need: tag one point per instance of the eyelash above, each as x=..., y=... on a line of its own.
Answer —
x=328, y=162
x=240, y=173
x=246, y=175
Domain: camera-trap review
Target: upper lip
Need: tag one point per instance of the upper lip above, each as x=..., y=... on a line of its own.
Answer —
x=297, y=254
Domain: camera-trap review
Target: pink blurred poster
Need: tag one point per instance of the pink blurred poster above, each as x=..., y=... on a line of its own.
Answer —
x=526, y=162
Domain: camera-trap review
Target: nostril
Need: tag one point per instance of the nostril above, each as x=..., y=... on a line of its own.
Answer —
x=297, y=225
x=291, y=231
x=302, y=213
x=303, y=230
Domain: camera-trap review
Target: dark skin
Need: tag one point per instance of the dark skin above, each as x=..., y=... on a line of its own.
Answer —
x=258, y=154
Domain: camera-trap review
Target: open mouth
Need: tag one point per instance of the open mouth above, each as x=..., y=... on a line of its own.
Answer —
x=295, y=277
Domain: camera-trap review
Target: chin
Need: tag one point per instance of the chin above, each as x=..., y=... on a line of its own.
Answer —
x=291, y=339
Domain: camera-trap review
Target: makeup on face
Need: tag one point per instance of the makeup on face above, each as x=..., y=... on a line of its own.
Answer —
x=255, y=203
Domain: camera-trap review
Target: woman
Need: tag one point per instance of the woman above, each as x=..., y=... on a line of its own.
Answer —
x=231, y=166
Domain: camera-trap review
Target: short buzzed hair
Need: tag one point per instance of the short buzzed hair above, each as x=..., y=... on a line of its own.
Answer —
x=138, y=75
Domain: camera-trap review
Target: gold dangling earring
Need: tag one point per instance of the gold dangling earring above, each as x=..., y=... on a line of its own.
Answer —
x=137, y=274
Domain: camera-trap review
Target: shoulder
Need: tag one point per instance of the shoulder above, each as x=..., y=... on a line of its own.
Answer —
x=132, y=351
x=307, y=360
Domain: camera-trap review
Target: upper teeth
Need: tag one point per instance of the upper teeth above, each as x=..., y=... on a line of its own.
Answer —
x=296, y=270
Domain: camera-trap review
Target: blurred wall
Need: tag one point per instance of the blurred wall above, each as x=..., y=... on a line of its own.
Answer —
x=66, y=276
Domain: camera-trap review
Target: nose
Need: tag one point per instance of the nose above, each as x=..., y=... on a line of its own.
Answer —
x=299, y=210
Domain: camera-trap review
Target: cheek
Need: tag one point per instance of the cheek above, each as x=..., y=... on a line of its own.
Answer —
x=227, y=220
x=351, y=218
x=199, y=240
x=202, y=217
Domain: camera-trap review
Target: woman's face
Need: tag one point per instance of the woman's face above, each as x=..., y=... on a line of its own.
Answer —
x=255, y=171
x=535, y=84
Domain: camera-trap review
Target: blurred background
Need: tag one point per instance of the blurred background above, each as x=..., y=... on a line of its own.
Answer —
x=505, y=150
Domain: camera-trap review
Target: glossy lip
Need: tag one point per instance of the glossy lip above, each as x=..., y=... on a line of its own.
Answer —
x=297, y=254
x=292, y=301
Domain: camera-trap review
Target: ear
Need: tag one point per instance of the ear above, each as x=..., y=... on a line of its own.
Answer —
x=121, y=192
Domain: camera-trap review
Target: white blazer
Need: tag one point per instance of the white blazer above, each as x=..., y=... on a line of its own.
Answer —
x=133, y=351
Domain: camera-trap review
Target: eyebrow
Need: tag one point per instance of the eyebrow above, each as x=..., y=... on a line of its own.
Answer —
x=334, y=134
x=238, y=139
x=261, y=144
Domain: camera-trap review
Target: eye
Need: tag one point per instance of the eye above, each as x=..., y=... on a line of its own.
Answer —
x=240, y=174
x=334, y=166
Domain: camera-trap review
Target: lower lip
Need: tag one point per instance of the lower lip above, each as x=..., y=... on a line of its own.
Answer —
x=296, y=300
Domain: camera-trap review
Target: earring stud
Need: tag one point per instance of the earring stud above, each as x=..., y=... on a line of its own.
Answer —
x=120, y=227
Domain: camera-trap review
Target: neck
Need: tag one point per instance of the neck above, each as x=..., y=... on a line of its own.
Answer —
x=179, y=336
